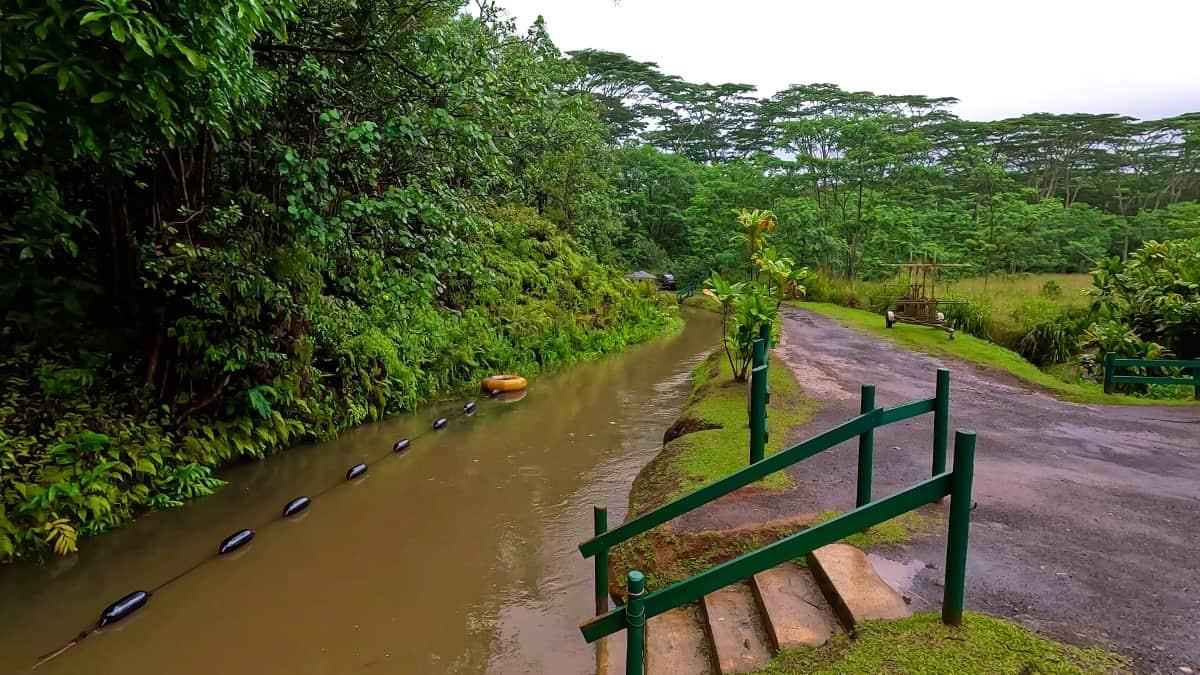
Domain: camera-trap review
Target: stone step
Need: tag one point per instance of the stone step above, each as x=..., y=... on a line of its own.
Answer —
x=739, y=640
x=855, y=591
x=676, y=643
x=793, y=608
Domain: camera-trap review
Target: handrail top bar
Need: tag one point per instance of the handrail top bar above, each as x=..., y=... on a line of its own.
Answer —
x=792, y=546
x=723, y=486
x=908, y=410
x=1157, y=363
x=1153, y=379
x=742, y=477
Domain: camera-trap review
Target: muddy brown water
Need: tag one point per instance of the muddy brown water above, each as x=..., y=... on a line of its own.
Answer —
x=457, y=556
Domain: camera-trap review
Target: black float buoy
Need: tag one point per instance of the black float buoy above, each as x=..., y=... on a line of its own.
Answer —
x=235, y=541
x=469, y=407
x=401, y=445
x=356, y=471
x=441, y=422
x=296, y=506
x=122, y=608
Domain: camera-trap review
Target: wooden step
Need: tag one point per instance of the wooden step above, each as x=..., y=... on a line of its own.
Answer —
x=739, y=640
x=793, y=608
x=854, y=590
x=676, y=643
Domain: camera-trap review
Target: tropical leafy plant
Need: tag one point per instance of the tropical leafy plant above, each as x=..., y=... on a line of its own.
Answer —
x=748, y=305
x=1155, y=295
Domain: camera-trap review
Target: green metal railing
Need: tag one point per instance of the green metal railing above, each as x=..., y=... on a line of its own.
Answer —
x=1112, y=379
x=956, y=484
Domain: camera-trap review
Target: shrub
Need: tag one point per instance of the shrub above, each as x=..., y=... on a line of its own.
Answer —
x=969, y=316
x=1155, y=295
x=1053, y=338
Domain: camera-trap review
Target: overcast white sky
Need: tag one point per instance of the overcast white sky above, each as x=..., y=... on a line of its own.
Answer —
x=999, y=57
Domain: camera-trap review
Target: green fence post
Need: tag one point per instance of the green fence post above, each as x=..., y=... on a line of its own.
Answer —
x=1108, y=372
x=941, y=421
x=599, y=527
x=1196, y=379
x=866, y=449
x=758, y=413
x=764, y=334
x=758, y=397
x=635, y=620
x=960, y=522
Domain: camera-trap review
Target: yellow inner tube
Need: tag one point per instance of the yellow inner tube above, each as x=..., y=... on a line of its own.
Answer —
x=504, y=383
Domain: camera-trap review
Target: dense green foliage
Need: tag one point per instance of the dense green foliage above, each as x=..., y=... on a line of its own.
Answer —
x=1149, y=305
x=233, y=226
x=859, y=179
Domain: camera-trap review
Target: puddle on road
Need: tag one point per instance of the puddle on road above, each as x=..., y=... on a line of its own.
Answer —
x=898, y=575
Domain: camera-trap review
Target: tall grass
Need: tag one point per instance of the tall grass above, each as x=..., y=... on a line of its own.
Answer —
x=1039, y=316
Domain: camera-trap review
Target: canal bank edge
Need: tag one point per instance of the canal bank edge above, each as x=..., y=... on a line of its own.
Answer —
x=708, y=440
x=158, y=463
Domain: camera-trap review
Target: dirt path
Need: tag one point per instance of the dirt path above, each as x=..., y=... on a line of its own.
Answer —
x=1087, y=516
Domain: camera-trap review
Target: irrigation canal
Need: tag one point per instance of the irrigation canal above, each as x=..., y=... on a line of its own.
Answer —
x=458, y=555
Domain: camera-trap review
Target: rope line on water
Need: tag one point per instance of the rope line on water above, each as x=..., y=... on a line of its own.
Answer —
x=134, y=601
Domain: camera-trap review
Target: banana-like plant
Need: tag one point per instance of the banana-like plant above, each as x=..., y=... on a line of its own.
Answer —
x=729, y=295
x=748, y=305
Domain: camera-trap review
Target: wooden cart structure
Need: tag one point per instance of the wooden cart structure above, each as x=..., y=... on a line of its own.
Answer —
x=918, y=302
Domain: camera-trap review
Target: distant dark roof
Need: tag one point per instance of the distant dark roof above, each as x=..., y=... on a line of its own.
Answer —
x=642, y=275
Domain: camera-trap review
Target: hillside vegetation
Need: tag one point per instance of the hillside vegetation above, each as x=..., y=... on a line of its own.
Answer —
x=243, y=225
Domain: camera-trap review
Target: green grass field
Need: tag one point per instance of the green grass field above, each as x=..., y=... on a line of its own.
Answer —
x=1015, y=302
x=976, y=350
x=1007, y=291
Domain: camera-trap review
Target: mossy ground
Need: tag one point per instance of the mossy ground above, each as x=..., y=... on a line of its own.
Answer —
x=701, y=301
x=715, y=439
x=898, y=530
x=666, y=556
x=975, y=350
x=922, y=644
x=708, y=441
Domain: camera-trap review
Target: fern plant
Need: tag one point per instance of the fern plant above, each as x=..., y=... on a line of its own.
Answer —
x=188, y=481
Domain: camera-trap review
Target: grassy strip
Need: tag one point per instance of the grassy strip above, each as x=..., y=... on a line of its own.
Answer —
x=898, y=530
x=922, y=644
x=718, y=407
x=701, y=301
x=975, y=350
x=666, y=556
x=709, y=441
